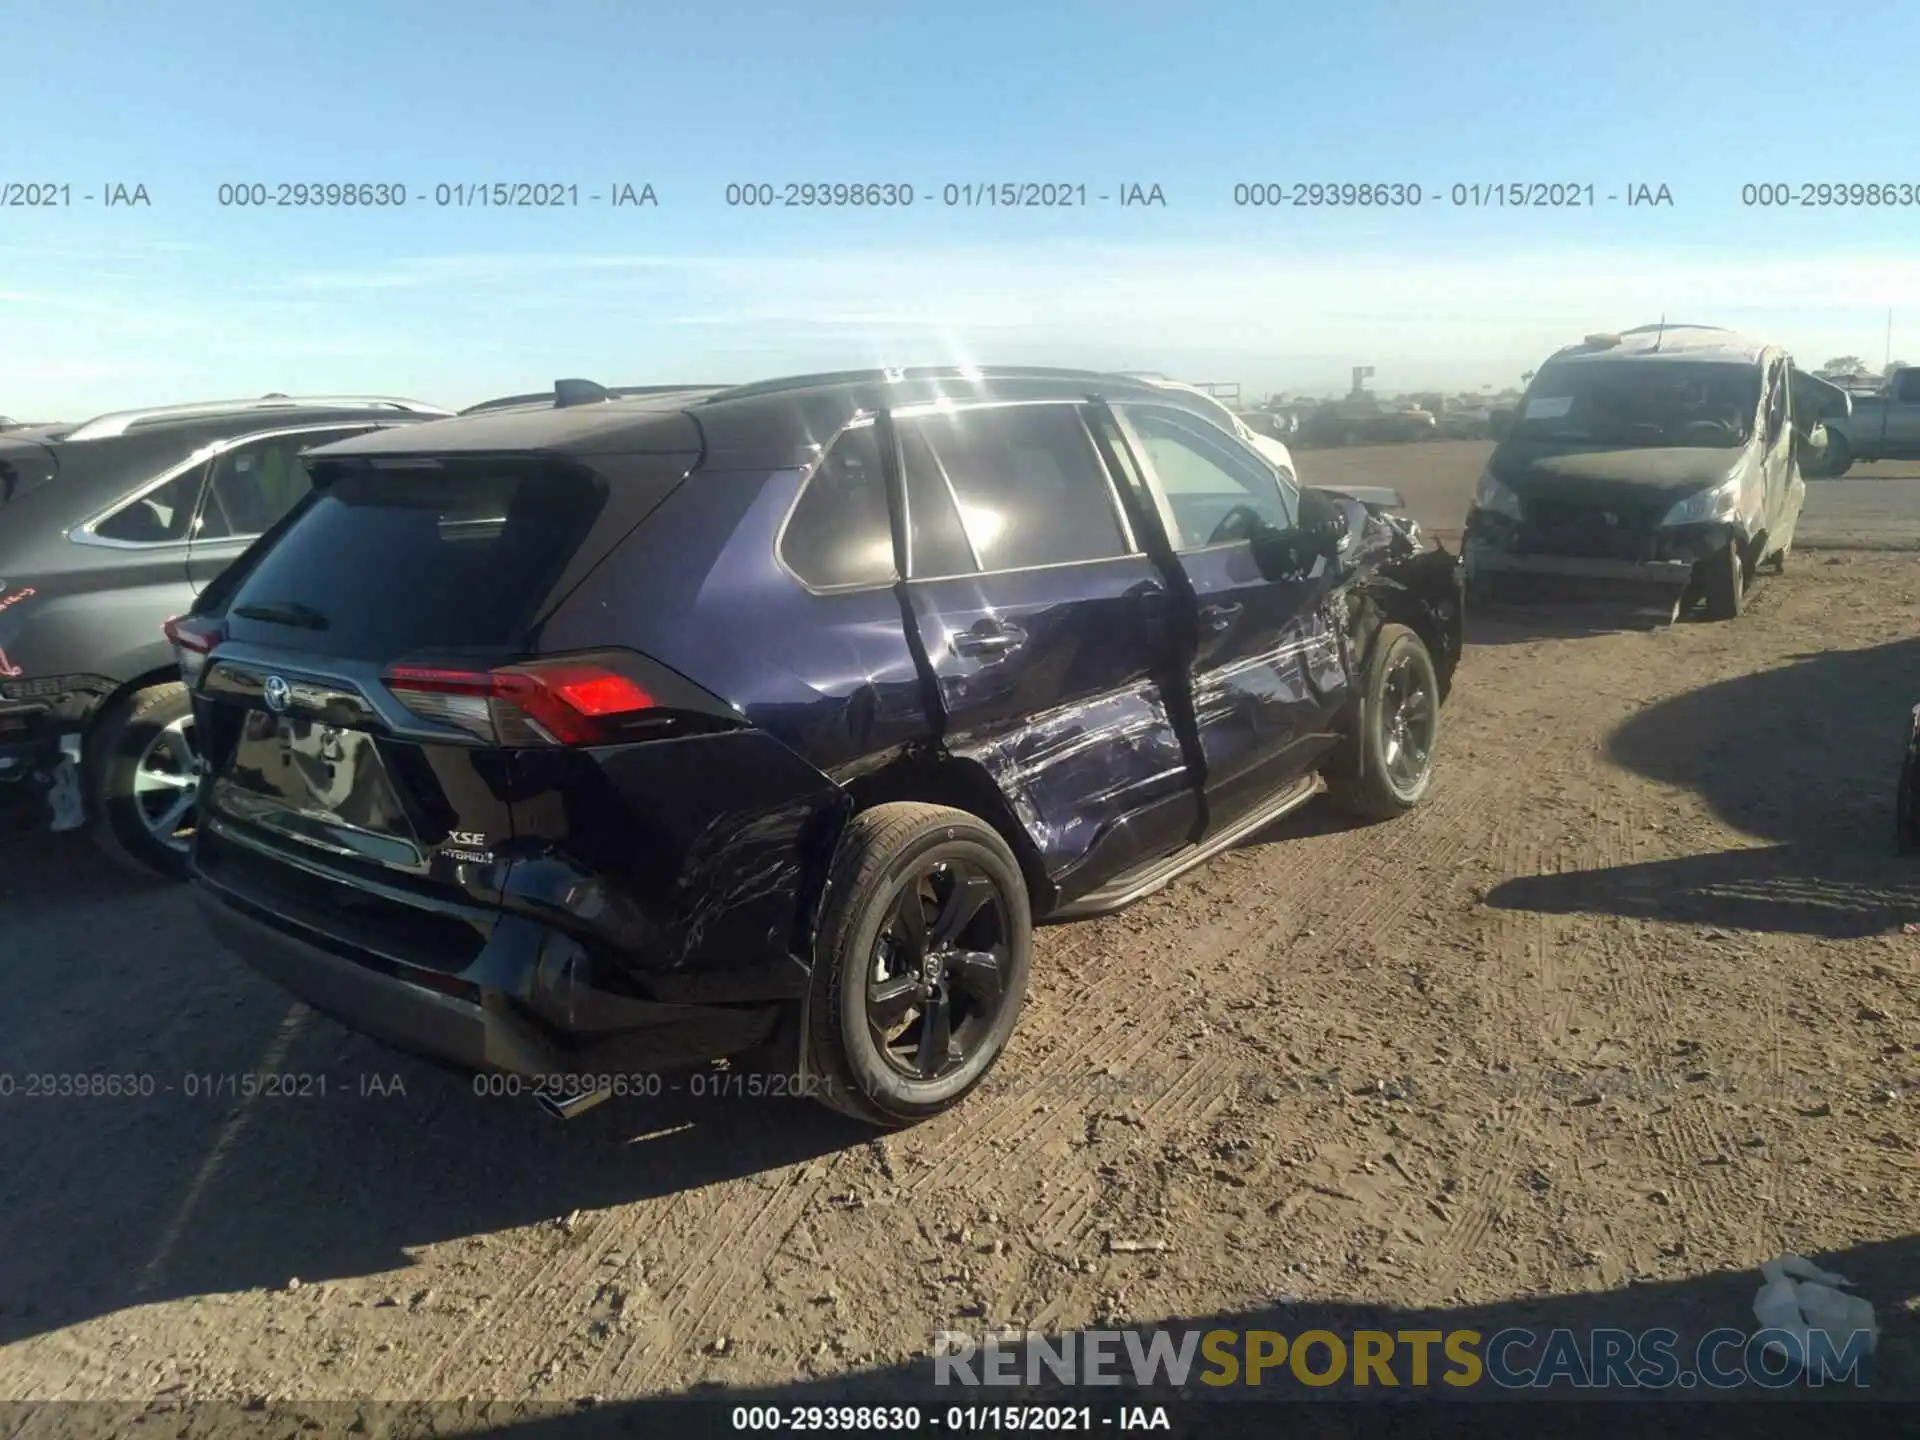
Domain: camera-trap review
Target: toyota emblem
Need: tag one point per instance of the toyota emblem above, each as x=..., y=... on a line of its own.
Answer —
x=278, y=694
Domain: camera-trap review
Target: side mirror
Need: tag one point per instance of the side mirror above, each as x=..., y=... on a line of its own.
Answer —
x=1282, y=554
x=1320, y=534
x=1499, y=422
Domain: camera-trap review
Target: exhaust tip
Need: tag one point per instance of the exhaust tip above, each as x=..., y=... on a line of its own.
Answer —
x=571, y=1107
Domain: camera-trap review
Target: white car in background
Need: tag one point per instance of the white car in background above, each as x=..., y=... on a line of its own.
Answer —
x=1275, y=453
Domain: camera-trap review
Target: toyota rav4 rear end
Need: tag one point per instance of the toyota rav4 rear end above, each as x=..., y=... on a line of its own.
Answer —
x=459, y=815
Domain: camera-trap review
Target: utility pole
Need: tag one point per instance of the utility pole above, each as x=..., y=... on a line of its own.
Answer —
x=1887, y=359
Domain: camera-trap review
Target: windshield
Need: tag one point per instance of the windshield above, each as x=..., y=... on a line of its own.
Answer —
x=1642, y=404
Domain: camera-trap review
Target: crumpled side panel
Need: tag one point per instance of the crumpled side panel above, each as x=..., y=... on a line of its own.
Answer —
x=1074, y=773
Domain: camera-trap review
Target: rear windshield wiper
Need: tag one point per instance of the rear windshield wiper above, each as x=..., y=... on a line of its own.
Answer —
x=285, y=612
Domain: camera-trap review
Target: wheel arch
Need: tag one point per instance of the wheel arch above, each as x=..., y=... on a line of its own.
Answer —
x=119, y=695
x=926, y=777
x=936, y=777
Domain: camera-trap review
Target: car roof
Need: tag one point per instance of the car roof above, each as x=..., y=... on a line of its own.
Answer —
x=267, y=410
x=1711, y=344
x=94, y=473
x=772, y=423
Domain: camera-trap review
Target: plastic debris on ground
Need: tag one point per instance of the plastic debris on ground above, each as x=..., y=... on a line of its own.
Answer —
x=1800, y=1298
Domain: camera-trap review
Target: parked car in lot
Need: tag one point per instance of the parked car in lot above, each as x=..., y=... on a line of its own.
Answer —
x=625, y=734
x=1270, y=447
x=1664, y=460
x=1882, y=426
x=106, y=529
x=1463, y=425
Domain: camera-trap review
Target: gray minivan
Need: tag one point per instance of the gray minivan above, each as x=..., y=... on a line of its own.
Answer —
x=1665, y=461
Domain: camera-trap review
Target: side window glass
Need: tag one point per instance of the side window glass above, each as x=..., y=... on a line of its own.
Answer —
x=937, y=544
x=839, y=533
x=1205, y=476
x=253, y=485
x=159, y=515
x=1907, y=388
x=1030, y=486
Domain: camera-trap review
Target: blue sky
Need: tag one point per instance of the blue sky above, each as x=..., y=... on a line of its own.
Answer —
x=184, y=298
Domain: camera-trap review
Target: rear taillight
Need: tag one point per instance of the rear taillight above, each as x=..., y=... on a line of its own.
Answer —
x=193, y=638
x=554, y=703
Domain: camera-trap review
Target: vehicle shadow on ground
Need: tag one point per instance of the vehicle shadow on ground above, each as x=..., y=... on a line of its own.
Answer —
x=148, y=1156
x=171, y=1196
x=41, y=872
x=1503, y=623
x=1886, y=1273
x=1805, y=756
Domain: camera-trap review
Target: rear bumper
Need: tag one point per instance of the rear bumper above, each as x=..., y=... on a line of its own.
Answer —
x=483, y=1018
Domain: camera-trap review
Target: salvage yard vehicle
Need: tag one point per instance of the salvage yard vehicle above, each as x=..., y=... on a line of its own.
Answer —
x=1271, y=448
x=1663, y=462
x=106, y=529
x=628, y=734
x=1883, y=426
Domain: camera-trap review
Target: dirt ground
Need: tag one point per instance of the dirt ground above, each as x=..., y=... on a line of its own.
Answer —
x=1632, y=1004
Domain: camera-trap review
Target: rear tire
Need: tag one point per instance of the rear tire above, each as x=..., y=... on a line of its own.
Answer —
x=1723, y=582
x=1838, y=459
x=955, y=873
x=142, y=780
x=1393, y=754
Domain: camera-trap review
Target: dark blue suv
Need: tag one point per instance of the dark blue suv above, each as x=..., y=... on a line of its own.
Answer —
x=569, y=743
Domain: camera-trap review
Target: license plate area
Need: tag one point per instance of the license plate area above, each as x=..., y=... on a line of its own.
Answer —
x=321, y=785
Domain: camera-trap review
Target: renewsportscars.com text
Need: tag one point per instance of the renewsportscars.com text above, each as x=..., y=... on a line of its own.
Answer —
x=1512, y=1359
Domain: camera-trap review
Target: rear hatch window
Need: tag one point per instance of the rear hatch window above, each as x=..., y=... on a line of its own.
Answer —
x=394, y=558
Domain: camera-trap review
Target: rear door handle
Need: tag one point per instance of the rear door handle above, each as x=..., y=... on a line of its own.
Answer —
x=997, y=641
x=1219, y=617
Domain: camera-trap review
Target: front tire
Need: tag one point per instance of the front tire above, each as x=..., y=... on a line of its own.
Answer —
x=1393, y=752
x=1723, y=582
x=920, y=966
x=142, y=780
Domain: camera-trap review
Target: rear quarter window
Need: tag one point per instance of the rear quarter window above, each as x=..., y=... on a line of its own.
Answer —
x=839, y=535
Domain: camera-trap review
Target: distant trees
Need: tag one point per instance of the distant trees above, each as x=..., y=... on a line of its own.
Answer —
x=1846, y=365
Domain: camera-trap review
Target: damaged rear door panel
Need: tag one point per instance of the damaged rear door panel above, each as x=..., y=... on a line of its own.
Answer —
x=1051, y=648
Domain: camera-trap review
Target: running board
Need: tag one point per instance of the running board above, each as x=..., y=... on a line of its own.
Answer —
x=1119, y=893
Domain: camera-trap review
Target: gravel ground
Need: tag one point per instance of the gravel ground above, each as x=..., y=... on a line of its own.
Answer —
x=1579, y=1042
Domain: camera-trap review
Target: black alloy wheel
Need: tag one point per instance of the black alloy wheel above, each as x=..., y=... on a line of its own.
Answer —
x=937, y=979
x=920, y=963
